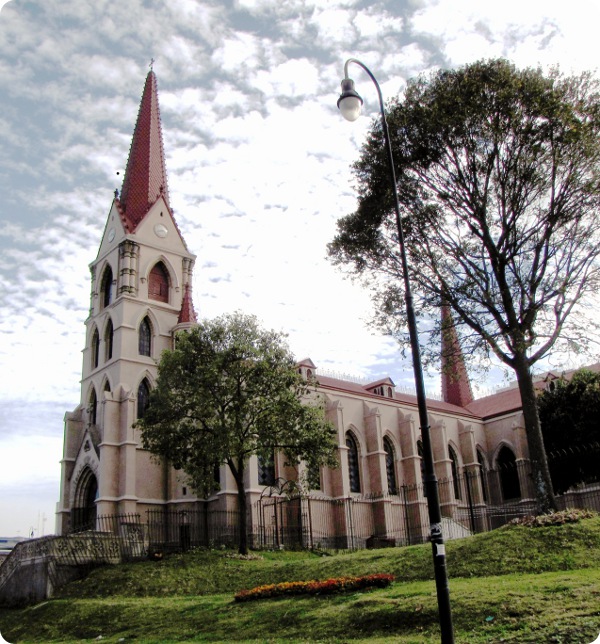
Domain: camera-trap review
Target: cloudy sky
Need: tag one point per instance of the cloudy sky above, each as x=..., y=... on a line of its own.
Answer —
x=258, y=161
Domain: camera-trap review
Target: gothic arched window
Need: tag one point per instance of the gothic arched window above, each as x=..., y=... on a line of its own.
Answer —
x=509, y=476
x=158, y=283
x=454, y=466
x=108, y=340
x=143, y=397
x=390, y=469
x=266, y=470
x=93, y=407
x=483, y=475
x=353, y=463
x=95, y=348
x=420, y=452
x=106, y=287
x=145, y=338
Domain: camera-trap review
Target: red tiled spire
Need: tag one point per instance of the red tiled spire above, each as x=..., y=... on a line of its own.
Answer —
x=187, y=314
x=145, y=176
x=456, y=387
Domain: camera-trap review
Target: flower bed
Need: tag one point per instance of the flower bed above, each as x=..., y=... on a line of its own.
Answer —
x=313, y=587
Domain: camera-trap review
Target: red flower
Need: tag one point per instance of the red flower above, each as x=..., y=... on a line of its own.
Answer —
x=315, y=587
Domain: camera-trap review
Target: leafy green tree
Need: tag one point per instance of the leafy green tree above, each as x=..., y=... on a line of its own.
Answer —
x=498, y=174
x=570, y=416
x=229, y=390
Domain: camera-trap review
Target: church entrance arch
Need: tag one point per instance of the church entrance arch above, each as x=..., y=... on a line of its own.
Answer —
x=83, y=513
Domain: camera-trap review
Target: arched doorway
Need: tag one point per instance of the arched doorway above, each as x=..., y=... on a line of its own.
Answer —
x=509, y=475
x=83, y=513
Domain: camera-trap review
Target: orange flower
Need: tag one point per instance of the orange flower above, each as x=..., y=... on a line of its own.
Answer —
x=314, y=587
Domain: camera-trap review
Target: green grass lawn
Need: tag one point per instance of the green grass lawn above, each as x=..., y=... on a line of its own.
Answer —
x=516, y=584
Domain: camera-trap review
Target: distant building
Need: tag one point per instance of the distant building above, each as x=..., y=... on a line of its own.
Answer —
x=141, y=295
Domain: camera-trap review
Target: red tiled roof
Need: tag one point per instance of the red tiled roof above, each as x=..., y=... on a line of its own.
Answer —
x=326, y=382
x=502, y=402
x=187, y=313
x=145, y=176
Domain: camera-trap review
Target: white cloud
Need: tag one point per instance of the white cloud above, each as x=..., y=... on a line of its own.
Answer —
x=257, y=155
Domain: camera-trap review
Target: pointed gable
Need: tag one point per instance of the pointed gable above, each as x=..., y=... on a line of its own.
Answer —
x=145, y=175
x=456, y=387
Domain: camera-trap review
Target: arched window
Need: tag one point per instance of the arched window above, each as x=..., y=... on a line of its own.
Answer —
x=95, y=348
x=93, y=407
x=143, y=397
x=106, y=385
x=106, y=287
x=390, y=468
x=353, y=463
x=483, y=475
x=108, y=340
x=266, y=470
x=158, y=283
x=145, y=338
x=454, y=467
x=509, y=476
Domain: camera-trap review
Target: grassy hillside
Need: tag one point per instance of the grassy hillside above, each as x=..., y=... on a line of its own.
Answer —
x=517, y=584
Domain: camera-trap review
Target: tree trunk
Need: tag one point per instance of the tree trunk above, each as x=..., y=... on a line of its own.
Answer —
x=540, y=471
x=243, y=512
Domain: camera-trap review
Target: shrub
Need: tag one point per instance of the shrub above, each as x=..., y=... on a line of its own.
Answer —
x=554, y=518
x=314, y=587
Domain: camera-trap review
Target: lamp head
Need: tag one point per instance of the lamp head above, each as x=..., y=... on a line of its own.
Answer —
x=349, y=102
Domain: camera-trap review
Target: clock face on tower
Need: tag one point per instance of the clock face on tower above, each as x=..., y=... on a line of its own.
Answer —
x=111, y=235
x=160, y=230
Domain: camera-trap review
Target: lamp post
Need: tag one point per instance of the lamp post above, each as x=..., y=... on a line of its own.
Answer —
x=350, y=104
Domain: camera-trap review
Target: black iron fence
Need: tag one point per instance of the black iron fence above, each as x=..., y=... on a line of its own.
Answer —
x=470, y=504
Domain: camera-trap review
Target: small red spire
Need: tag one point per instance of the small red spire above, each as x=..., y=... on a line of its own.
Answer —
x=456, y=387
x=187, y=315
x=145, y=177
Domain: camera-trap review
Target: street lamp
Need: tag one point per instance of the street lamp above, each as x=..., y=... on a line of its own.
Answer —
x=350, y=104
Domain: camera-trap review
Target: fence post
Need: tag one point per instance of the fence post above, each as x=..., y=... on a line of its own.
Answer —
x=406, y=517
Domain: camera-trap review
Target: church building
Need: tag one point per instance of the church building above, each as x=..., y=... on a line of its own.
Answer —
x=141, y=296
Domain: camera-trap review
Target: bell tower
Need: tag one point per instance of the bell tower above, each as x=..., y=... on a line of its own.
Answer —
x=141, y=284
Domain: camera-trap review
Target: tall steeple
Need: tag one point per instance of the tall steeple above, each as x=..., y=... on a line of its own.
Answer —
x=456, y=387
x=145, y=177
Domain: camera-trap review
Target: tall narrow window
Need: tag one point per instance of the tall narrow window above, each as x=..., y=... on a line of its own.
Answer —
x=420, y=452
x=143, y=397
x=266, y=470
x=390, y=467
x=108, y=340
x=106, y=287
x=454, y=466
x=483, y=475
x=353, y=463
x=509, y=476
x=93, y=407
x=95, y=348
x=158, y=283
x=145, y=338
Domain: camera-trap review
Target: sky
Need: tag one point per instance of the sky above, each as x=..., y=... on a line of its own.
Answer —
x=258, y=161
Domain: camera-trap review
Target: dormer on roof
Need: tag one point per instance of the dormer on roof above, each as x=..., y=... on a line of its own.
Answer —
x=307, y=369
x=384, y=387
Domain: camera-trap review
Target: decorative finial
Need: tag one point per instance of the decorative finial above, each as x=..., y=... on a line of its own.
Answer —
x=151, y=64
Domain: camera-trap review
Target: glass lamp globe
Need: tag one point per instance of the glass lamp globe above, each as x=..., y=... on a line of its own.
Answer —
x=349, y=102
